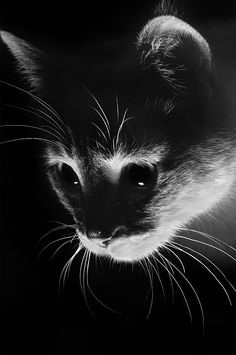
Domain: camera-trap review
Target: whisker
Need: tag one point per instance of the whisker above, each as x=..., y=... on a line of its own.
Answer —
x=51, y=121
x=63, y=224
x=179, y=287
x=177, y=257
x=44, y=140
x=85, y=279
x=66, y=269
x=99, y=129
x=211, y=237
x=117, y=109
x=207, y=244
x=192, y=288
x=61, y=246
x=91, y=291
x=60, y=227
x=105, y=123
x=214, y=218
x=114, y=144
x=150, y=276
x=157, y=273
x=179, y=247
x=168, y=266
x=121, y=126
x=144, y=267
x=99, y=106
x=54, y=122
x=51, y=243
x=34, y=127
x=36, y=98
x=81, y=273
x=124, y=120
x=99, y=145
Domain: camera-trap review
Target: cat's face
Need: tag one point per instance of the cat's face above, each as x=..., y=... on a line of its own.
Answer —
x=134, y=159
x=127, y=203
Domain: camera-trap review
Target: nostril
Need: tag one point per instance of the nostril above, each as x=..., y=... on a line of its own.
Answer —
x=99, y=237
x=105, y=242
x=105, y=236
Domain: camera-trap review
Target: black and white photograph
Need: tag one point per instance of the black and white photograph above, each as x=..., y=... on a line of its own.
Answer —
x=118, y=177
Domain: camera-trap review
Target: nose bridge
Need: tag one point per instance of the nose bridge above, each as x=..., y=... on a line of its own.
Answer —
x=102, y=206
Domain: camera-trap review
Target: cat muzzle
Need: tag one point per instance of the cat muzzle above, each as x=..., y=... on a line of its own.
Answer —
x=103, y=238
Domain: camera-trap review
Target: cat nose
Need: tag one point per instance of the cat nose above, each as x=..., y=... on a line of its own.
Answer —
x=105, y=236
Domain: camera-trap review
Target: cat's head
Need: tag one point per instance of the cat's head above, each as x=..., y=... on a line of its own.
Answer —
x=134, y=155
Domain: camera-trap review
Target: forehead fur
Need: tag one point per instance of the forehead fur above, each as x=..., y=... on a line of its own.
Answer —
x=111, y=163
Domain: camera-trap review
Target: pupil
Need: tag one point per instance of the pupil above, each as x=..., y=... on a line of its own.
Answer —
x=141, y=176
x=68, y=174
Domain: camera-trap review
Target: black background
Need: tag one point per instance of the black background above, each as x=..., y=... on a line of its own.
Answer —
x=37, y=319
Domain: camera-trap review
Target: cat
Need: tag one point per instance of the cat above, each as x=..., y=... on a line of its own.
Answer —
x=138, y=142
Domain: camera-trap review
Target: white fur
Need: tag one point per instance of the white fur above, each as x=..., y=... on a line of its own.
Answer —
x=113, y=164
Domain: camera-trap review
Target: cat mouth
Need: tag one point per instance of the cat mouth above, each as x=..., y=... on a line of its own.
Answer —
x=104, y=243
x=121, y=248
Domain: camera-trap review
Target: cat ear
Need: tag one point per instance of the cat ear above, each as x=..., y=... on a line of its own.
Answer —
x=28, y=58
x=177, y=52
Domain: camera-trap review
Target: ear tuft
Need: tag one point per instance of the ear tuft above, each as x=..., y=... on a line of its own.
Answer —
x=27, y=58
x=176, y=51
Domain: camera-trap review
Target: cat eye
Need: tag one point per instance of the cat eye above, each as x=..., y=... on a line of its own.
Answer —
x=67, y=174
x=141, y=176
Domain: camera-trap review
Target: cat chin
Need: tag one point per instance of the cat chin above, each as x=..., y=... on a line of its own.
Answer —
x=126, y=249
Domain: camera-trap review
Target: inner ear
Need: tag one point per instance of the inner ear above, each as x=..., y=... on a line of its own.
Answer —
x=29, y=60
x=177, y=52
